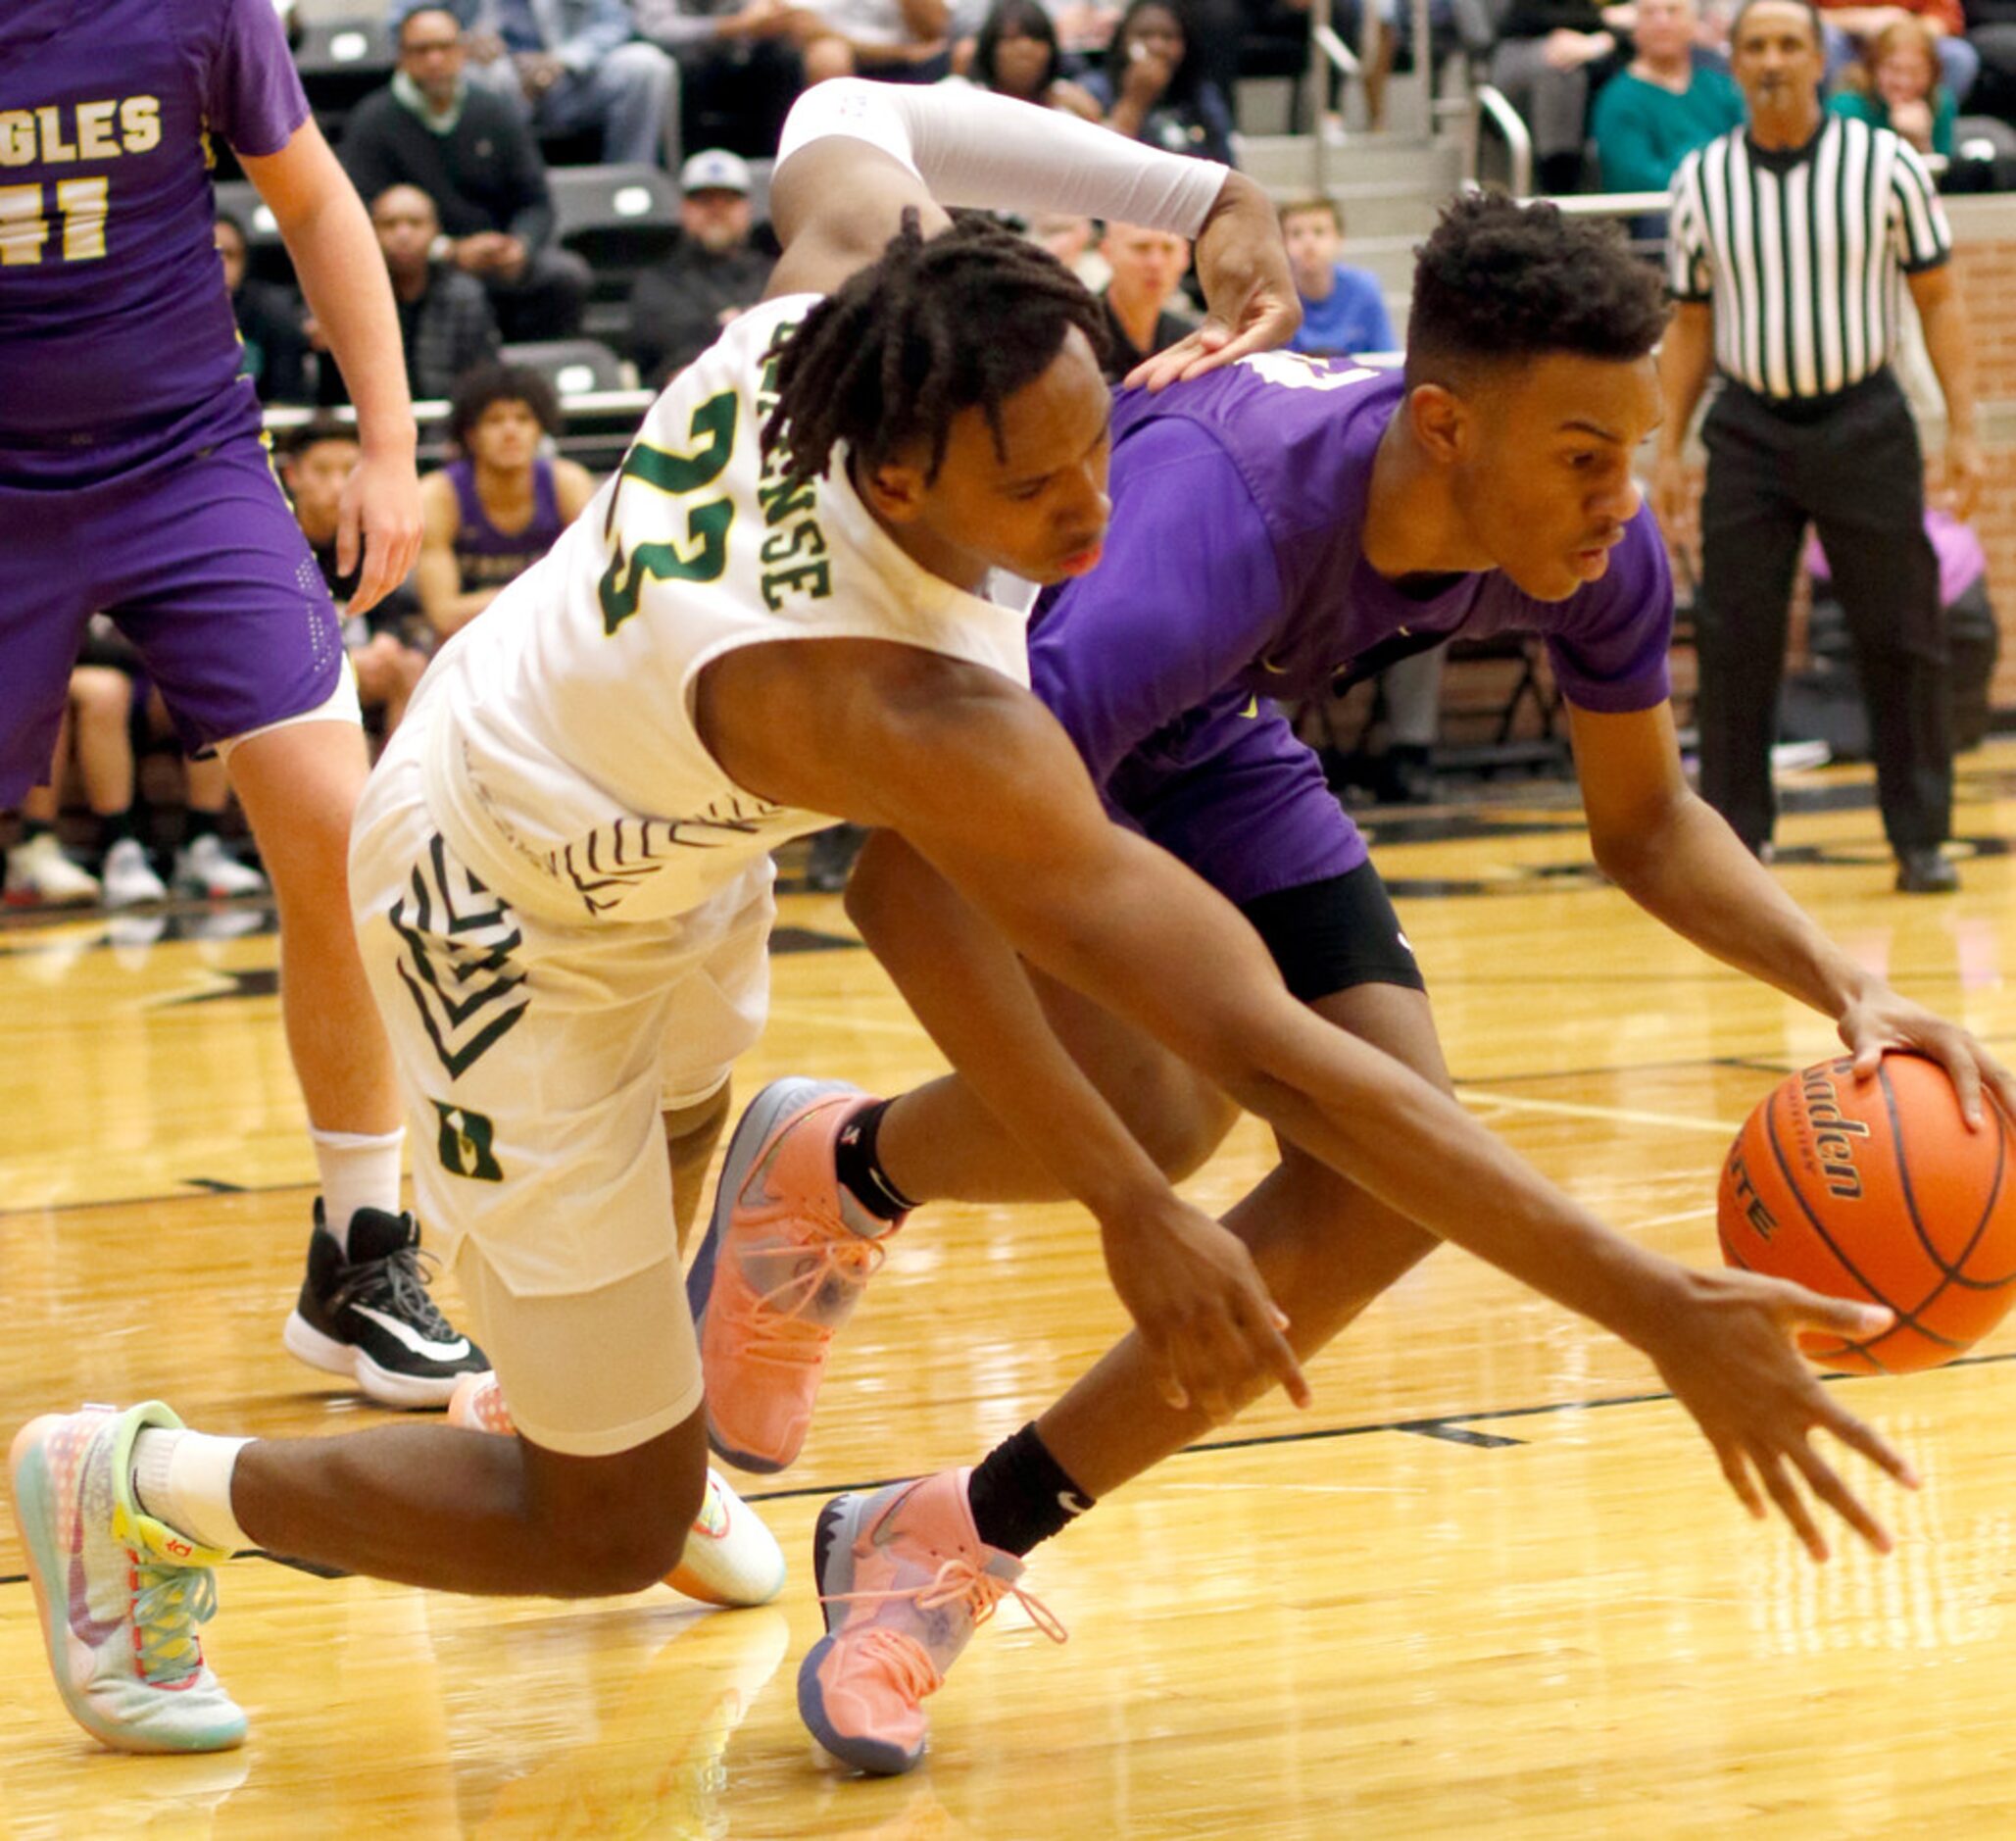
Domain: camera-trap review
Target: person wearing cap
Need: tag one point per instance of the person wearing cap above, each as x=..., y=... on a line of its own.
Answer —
x=679, y=306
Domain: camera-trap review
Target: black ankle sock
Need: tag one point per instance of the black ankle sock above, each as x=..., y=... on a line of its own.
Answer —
x=1021, y=1495
x=115, y=828
x=32, y=828
x=860, y=1171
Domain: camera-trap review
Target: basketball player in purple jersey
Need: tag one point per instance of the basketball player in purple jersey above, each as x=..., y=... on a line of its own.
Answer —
x=769, y=618
x=133, y=479
x=1276, y=526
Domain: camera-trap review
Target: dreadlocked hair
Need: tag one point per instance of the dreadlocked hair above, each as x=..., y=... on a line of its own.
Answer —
x=935, y=325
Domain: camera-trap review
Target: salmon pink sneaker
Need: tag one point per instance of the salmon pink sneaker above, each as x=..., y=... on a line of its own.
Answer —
x=731, y=1558
x=905, y=1579
x=787, y=1256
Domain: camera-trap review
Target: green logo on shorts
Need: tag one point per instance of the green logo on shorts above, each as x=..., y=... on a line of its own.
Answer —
x=466, y=1144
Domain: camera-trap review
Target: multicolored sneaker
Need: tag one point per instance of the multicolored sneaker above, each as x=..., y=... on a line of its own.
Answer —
x=120, y=1593
x=731, y=1558
x=909, y=1579
x=787, y=1255
x=369, y=1315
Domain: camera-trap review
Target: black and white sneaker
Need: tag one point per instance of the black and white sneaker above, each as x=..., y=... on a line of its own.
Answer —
x=371, y=1316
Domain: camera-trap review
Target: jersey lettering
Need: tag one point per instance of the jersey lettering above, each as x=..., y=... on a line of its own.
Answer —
x=57, y=136
x=1295, y=371
x=704, y=556
x=81, y=204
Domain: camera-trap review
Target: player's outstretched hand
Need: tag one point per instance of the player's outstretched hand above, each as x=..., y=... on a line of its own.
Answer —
x=1880, y=1018
x=1248, y=289
x=380, y=512
x=1213, y=1335
x=1729, y=1356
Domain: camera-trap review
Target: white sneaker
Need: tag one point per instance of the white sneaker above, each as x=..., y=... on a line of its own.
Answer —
x=207, y=869
x=120, y=1594
x=39, y=872
x=731, y=1558
x=129, y=878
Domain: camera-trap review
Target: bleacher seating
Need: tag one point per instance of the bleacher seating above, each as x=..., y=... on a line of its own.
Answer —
x=341, y=62
x=574, y=367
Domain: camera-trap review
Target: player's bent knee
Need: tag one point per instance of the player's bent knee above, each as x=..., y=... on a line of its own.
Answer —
x=617, y=1523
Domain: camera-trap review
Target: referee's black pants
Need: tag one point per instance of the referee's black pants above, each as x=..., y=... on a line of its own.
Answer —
x=1850, y=464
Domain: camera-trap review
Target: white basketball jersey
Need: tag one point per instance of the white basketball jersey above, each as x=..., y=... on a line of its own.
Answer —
x=563, y=764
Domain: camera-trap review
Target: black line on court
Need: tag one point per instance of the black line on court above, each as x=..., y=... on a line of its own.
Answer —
x=1448, y=1427
x=215, y=1185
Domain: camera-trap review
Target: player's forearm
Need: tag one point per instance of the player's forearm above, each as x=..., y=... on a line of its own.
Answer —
x=343, y=277
x=1133, y=934
x=971, y=148
x=1690, y=871
x=969, y=989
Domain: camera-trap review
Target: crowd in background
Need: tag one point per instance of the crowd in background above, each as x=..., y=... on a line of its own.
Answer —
x=453, y=153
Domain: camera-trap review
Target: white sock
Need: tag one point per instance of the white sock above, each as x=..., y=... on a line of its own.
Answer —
x=356, y=1171
x=184, y=1478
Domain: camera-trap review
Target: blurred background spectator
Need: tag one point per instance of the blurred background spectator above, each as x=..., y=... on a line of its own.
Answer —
x=574, y=68
x=473, y=155
x=270, y=321
x=679, y=306
x=1153, y=87
x=1896, y=84
x=1147, y=268
x=1342, y=309
x=499, y=506
x=739, y=69
x=1666, y=102
x=1017, y=53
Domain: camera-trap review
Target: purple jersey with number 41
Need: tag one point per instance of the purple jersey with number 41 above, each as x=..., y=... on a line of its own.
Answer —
x=113, y=310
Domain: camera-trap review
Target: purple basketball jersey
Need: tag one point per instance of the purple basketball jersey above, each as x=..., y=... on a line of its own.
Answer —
x=112, y=311
x=1235, y=575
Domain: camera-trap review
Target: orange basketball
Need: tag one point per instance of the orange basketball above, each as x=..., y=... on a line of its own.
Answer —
x=1876, y=1190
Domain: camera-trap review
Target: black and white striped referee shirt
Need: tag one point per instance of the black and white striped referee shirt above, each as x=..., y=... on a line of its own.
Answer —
x=1802, y=254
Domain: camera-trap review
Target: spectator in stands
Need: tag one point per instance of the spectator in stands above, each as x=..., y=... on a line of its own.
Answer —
x=1664, y=105
x=316, y=460
x=1550, y=54
x=1848, y=24
x=572, y=67
x=445, y=322
x=899, y=41
x=499, y=506
x=1074, y=242
x=275, y=354
x=1896, y=84
x=1148, y=268
x=472, y=154
x=1015, y=53
x=1152, y=89
x=679, y=306
x=738, y=67
x=1342, y=309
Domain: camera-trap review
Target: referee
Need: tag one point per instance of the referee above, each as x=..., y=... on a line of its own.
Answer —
x=1787, y=243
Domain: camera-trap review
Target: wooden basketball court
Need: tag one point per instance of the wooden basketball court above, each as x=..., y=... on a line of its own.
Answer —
x=1490, y=1583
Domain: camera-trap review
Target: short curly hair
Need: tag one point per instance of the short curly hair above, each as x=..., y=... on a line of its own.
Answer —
x=475, y=390
x=1499, y=283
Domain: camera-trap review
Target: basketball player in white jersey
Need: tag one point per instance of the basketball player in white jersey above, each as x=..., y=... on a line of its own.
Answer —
x=768, y=619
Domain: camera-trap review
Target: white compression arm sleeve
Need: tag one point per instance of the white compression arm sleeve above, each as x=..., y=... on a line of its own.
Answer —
x=971, y=148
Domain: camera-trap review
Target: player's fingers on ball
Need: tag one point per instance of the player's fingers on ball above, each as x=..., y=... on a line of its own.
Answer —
x=1813, y=1310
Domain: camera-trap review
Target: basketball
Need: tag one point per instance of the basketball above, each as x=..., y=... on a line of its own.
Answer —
x=1876, y=1190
